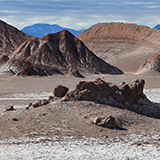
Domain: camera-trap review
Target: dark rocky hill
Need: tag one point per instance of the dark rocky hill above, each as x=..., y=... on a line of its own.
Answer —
x=60, y=52
x=10, y=38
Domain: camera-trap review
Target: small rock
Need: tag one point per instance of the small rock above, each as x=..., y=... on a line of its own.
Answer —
x=27, y=108
x=30, y=105
x=15, y=119
x=36, y=104
x=9, y=108
x=104, y=121
x=43, y=102
x=50, y=99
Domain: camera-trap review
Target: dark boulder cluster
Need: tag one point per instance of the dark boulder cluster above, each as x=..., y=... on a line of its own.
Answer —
x=41, y=102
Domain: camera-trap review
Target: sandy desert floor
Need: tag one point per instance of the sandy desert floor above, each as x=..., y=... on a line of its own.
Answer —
x=64, y=130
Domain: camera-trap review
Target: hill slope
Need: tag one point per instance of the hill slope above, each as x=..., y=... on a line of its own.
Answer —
x=10, y=38
x=123, y=45
x=152, y=64
x=56, y=53
x=41, y=29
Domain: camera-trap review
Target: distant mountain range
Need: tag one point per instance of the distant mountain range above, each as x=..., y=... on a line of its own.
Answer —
x=41, y=29
x=157, y=26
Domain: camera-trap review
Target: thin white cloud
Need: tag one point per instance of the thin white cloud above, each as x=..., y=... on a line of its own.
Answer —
x=9, y=11
x=139, y=3
x=79, y=14
x=152, y=7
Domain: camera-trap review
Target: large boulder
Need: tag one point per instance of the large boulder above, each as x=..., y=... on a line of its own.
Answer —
x=60, y=91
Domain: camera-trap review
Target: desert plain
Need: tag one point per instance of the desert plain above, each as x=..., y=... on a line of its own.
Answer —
x=64, y=129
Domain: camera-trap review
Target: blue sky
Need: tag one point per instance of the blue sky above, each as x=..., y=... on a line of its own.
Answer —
x=79, y=14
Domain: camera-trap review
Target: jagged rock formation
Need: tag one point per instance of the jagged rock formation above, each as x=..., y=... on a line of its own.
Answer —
x=129, y=96
x=60, y=50
x=123, y=45
x=100, y=91
x=152, y=64
x=10, y=38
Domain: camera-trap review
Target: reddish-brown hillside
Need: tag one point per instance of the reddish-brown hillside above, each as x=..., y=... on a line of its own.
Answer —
x=61, y=50
x=123, y=45
x=152, y=64
x=10, y=38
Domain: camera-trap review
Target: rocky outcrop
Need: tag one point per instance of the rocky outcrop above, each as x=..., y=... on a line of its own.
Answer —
x=104, y=121
x=128, y=96
x=60, y=91
x=100, y=91
x=61, y=50
x=152, y=64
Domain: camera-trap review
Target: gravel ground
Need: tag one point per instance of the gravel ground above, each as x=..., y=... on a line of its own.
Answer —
x=153, y=94
x=123, y=148
x=130, y=147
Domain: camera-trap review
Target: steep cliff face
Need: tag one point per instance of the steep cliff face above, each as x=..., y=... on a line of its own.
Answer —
x=62, y=51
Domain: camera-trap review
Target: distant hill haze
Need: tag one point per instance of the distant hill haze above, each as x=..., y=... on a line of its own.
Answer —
x=157, y=26
x=124, y=45
x=10, y=38
x=41, y=29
